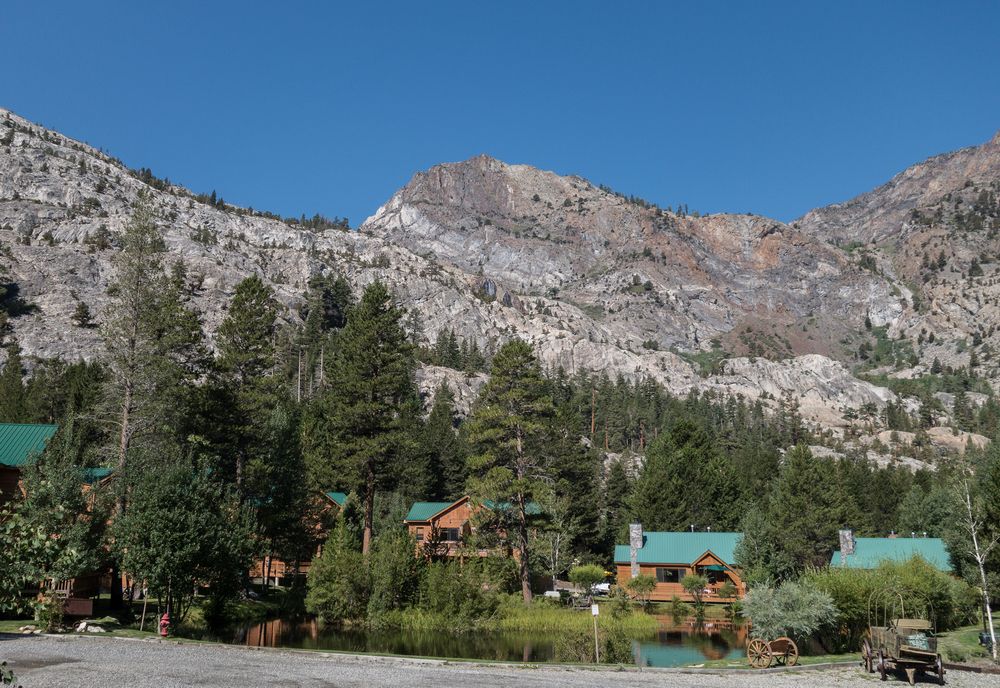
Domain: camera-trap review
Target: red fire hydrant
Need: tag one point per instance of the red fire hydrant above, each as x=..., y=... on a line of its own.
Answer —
x=164, y=624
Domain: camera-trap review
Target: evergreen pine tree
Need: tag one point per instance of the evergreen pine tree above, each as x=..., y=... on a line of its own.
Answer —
x=673, y=492
x=155, y=353
x=446, y=469
x=509, y=463
x=358, y=432
x=81, y=315
x=474, y=360
x=962, y=411
x=246, y=362
x=12, y=392
x=617, y=489
x=153, y=341
x=804, y=512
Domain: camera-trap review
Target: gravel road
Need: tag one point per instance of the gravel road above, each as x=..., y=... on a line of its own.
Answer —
x=85, y=662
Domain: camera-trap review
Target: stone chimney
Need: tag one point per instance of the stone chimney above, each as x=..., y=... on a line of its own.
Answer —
x=634, y=545
x=846, y=545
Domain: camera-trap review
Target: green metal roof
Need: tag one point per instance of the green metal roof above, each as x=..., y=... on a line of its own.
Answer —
x=531, y=508
x=870, y=552
x=422, y=511
x=338, y=498
x=94, y=475
x=681, y=548
x=20, y=444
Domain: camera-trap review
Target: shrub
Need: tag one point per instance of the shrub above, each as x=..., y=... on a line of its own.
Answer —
x=678, y=609
x=459, y=593
x=338, y=581
x=586, y=576
x=922, y=590
x=694, y=585
x=618, y=602
x=642, y=587
x=49, y=612
x=395, y=572
x=794, y=609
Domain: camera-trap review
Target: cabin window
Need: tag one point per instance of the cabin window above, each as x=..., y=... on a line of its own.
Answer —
x=665, y=575
x=419, y=534
x=451, y=534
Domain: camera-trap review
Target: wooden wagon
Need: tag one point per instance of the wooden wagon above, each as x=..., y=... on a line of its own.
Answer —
x=899, y=644
x=782, y=651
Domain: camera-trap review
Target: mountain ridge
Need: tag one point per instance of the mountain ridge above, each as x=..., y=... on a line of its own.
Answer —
x=597, y=281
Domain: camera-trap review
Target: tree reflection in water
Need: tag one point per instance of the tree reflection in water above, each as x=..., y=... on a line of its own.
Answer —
x=674, y=644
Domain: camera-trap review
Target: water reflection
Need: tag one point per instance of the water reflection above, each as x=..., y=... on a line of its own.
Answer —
x=673, y=644
x=690, y=642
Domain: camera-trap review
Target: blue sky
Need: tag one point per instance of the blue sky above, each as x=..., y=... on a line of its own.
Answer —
x=769, y=107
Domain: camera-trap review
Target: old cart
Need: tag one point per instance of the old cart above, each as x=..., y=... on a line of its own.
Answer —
x=782, y=651
x=901, y=644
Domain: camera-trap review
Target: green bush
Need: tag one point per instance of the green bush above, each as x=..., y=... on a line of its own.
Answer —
x=956, y=654
x=618, y=604
x=396, y=573
x=49, y=612
x=642, y=587
x=678, y=609
x=921, y=589
x=586, y=577
x=338, y=582
x=794, y=609
x=460, y=593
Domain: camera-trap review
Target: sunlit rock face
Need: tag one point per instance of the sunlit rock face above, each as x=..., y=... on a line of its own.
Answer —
x=735, y=304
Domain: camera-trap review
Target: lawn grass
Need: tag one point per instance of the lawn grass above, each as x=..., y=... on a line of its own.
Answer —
x=962, y=644
x=12, y=625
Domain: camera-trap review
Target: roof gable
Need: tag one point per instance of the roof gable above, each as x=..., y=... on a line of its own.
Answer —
x=870, y=552
x=423, y=511
x=682, y=548
x=338, y=498
x=21, y=444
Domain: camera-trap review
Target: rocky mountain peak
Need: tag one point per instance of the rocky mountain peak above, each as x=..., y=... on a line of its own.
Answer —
x=598, y=281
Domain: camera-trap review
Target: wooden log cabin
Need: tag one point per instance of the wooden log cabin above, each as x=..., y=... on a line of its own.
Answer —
x=670, y=556
x=442, y=529
x=20, y=445
x=270, y=570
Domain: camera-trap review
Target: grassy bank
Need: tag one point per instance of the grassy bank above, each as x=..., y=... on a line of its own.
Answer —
x=512, y=616
x=962, y=645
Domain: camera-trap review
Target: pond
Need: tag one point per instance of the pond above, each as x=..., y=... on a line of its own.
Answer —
x=673, y=644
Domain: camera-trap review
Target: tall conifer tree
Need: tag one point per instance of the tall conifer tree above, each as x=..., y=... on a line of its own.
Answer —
x=246, y=363
x=359, y=430
x=510, y=463
x=12, y=392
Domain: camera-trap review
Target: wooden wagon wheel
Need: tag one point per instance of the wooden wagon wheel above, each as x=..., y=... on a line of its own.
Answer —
x=759, y=654
x=867, y=656
x=939, y=669
x=883, y=669
x=790, y=657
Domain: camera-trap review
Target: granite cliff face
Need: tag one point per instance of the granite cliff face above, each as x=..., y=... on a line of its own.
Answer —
x=934, y=227
x=648, y=275
x=597, y=281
